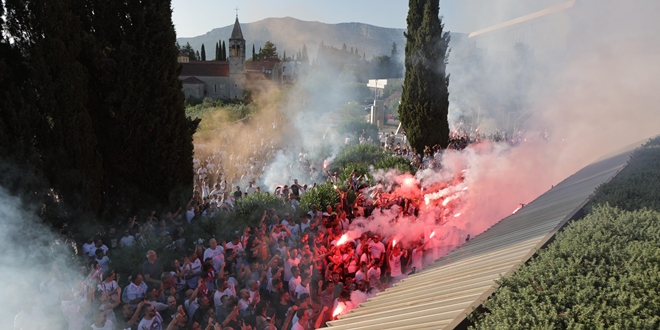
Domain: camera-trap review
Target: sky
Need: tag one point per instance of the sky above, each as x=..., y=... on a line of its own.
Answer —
x=196, y=17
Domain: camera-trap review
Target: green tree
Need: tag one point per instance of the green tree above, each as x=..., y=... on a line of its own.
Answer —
x=305, y=57
x=268, y=51
x=203, y=53
x=189, y=51
x=217, y=52
x=138, y=110
x=254, y=54
x=425, y=98
x=223, y=51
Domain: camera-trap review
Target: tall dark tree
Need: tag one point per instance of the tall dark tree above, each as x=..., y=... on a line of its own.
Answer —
x=254, y=54
x=138, y=108
x=305, y=58
x=223, y=51
x=425, y=98
x=50, y=35
x=203, y=53
x=217, y=52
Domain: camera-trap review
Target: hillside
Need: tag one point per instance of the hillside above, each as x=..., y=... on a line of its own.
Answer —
x=289, y=34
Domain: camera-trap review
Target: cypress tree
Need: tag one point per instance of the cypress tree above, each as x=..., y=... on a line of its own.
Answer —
x=224, y=51
x=305, y=58
x=425, y=97
x=217, y=52
x=284, y=55
x=203, y=53
x=139, y=115
x=64, y=133
x=254, y=55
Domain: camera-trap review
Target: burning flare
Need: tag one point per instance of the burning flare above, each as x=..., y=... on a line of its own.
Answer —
x=342, y=240
x=338, y=310
x=432, y=234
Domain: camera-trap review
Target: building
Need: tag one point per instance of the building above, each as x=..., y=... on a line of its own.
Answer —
x=228, y=79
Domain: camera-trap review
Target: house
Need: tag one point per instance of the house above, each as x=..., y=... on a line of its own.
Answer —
x=228, y=79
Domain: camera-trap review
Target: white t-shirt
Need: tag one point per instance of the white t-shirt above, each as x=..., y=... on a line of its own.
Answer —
x=417, y=257
x=395, y=265
x=109, y=313
x=217, y=256
x=293, y=283
x=89, y=249
x=109, y=325
x=300, y=289
x=28, y=321
x=377, y=249
x=127, y=241
x=217, y=296
x=196, y=266
x=373, y=276
x=110, y=288
x=156, y=323
x=71, y=310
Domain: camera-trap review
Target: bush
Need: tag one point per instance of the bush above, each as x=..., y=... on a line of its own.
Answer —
x=637, y=184
x=360, y=154
x=395, y=162
x=323, y=195
x=607, y=281
x=252, y=207
x=601, y=272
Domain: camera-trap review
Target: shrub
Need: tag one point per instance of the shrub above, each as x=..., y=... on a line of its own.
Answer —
x=252, y=207
x=601, y=272
x=395, y=162
x=360, y=154
x=607, y=281
x=323, y=195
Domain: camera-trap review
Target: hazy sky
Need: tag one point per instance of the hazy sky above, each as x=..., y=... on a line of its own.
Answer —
x=196, y=17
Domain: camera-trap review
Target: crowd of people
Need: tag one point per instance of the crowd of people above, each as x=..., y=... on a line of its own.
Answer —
x=296, y=269
x=289, y=272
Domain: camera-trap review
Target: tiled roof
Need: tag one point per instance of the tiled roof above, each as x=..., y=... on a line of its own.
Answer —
x=441, y=296
x=205, y=69
x=192, y=80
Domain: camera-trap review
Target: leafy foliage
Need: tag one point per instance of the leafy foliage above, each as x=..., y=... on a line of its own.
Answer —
x=360, y=154
x=602, y=271
x=398, y=163
x=425, y=98
x=607, y=281
x=252, y=207
x=323, y=195
x=357, y=127
x=637, y=184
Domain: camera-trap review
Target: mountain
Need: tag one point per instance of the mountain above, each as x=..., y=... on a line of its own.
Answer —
x=289, y=34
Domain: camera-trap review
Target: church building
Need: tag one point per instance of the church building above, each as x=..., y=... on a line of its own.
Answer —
x=228, y=79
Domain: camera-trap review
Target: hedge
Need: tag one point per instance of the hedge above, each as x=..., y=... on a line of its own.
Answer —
x=602, y=271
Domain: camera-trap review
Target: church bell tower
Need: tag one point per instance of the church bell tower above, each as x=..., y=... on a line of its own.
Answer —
x=237, y=60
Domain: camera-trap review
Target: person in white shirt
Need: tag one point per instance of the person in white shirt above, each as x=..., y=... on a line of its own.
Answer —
x=74, y=309
x=30, y=317
x=152, y=320
x=102, y=323
x=192, y=269
x=127, y=239
x=303, y=287
x=216, y=253
x=376, y=247
x=137, y=290
x=294, y=281
x=89, y=248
